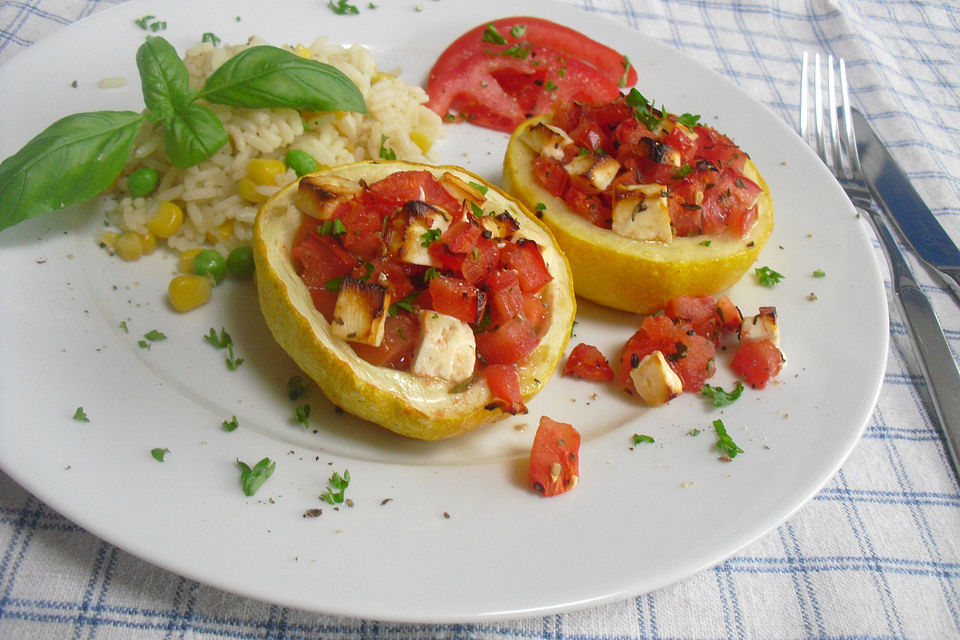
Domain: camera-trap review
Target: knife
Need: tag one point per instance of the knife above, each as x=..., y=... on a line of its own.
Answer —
x=896, y=196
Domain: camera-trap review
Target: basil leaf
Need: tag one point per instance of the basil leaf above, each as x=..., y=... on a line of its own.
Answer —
x=163, y=78
x=192, y=134
x=70, y=161
x=267, y=77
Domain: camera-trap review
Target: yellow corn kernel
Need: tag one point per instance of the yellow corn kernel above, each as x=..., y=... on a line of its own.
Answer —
x=247, y=189
x=264, y=170
x=188, y=292
x=166, y=221
x=380, y=75
x=129, y=246
x=149, y=242
x=109, y=239
x=221, y=233
x=421, y=139
x=185, y=263
x=302, y=51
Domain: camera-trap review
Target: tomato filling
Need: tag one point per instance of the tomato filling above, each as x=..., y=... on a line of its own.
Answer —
x=418, y=279
x=646, y=174
x=500, y=73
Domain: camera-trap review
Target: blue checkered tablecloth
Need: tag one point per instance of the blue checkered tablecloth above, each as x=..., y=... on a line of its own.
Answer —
x=876, y=554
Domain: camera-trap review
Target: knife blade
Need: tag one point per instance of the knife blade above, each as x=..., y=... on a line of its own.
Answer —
x=896, y=196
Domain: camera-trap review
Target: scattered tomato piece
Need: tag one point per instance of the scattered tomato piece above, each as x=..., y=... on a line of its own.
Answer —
x=554, y=458
x=757, y=362
x=588, y=363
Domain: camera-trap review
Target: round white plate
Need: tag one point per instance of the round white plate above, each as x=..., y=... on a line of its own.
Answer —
x=444, y=531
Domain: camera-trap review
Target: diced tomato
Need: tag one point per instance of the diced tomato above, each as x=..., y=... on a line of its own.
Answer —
x=718, y=149
x=589, y=206
x=500, y=85
x=524, y=256
x=757, y=362
x=534, y=309
x=399, y=340
x=321, y=260
x=740, y=221
x=481, y=260
x=550, y=174
x=697, y=311
x=508, y=343
x=454, y=297
x=504, y=383
x=403, y=186
x=554, y=458
x=461, y=236
x=728, y=315
x=590, y=135
x=505, y=296
x=588, y=363
x=393, y=274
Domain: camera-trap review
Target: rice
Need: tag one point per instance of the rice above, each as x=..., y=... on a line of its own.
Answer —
x=215, y=214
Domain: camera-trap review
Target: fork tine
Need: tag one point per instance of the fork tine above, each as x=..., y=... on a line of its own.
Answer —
x=832, y=106
x=804, y=98
x=850, y=138
x=818, y=108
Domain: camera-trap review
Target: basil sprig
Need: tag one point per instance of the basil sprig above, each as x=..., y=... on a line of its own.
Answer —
x=78, y=156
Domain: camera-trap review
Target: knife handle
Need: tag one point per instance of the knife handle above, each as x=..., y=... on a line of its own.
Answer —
x=952, y=276
x=933, y=352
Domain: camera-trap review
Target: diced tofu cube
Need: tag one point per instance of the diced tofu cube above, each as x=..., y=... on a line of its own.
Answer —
x=361, y=311
x=762, y=326
x=501, y=226
x=425, y=225
x=598, y=169
x=318, y=196
x=446, y=348
x=655, y=381
x=547, y=140
x=640, y=212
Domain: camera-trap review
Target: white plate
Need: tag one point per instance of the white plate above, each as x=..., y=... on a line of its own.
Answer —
x=640, y=518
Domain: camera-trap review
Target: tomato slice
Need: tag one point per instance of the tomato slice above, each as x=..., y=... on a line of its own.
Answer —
x=498, y=82
x=554, y=458
x=454, y=297
x=588, y=363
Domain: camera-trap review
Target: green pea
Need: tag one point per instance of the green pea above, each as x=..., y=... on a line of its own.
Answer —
x=301, y=162
x=142, y=182
x=210, y=263
x=240, y=262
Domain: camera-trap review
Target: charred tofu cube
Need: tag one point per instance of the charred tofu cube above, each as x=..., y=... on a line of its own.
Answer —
x=425, y=225
x=318, y=196
x=762, y=326
x=547, y=140
x=640, y=212
x=655, y=381
x=598, y=169
x=461, y=190
x=502, y=226
x=361, y=311
x=445, y=349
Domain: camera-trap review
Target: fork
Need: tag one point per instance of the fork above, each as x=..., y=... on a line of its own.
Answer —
x=839, y=153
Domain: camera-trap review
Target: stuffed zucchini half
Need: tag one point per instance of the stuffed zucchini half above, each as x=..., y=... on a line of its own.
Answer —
x=646, y=205
x=421, y=298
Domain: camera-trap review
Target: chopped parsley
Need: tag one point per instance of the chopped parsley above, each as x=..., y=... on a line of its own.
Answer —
x=150, y=23
x=385, y=152
x=540, y=206
x=231, y=424
x=626, y=72
x=819, y=273
x=342, y=8
x=144, y=344
x=302, y=415
x=80, y=416
x=683, y=172
x=520, y=51
x=123, y=326
x=252, y=479
x=211, y=38
x=550, y=85
x=224, y=341
x=333, y=284
x=724, y=442
x=430, y=274
x=493, y=36
x=403, y=304
x=767, y=276
x=296, y=387
x=518, y=30
x=720, y=397
x=640, y=439
x=476, y=210
x=159, y=453
x=333, y=227
x=336, y=486
x=643, y=109
x=154, y=335
x=479, y=187
x=705, y=243
x=689, y=120
x=430, y=236
x=693, y=432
